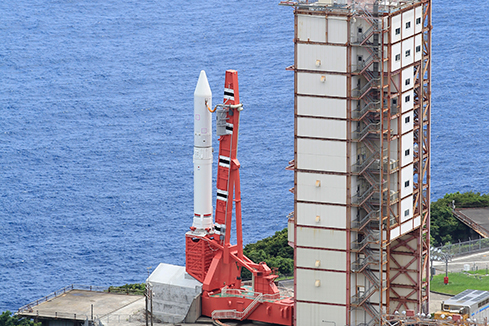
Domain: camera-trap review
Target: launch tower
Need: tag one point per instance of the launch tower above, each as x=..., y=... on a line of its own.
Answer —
x=360, y=228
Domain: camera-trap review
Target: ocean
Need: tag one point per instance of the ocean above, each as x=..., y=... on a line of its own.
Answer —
x=96, y=129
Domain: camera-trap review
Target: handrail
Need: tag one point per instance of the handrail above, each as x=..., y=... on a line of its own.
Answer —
x=372, y=106
x=372, y=216
x=239, y=315
x=59, y=292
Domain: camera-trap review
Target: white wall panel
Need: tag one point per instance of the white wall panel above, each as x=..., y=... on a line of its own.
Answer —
x=407, y=100
x=320, y=238
x=321, y=57
x=337, y=30
x=290, y=232
x=321, y=155
x=407, y=122
x=406, y=209
x=332, y=188
x=321, y=107
x=407, y=78
x=395, y=232
x=406, y=180
x=406, y=227
x=311, y=28
x=321, y=259
x=321, y=215
x=407, y=148
x=321, y=84
x=321, y=128
x=418, y=25
x=309, y=314
x=332, y=288
x=408, y=24
x=396, y=29
x=418, y=46
x=396, y=57
x=416, y=221
x=407, y=53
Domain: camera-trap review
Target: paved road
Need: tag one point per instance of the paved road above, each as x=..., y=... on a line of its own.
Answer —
x=475, y=261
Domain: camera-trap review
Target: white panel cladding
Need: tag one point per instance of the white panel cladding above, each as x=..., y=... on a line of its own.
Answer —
x=321, y=188
x=396, y=56
x=321, y=84
x=321, y=57
x=321, y=107
x=331, y=289
x=311, y=28
x=406, y=181
x=290, y=232
x=418, y=19
x=418, y=47
x=407, y=55
x=407, y=142
x=395, y=232
x=407, y=122
x=321, y=259
x=396, y=29
x=321, y=128
x=320, y=238
x=416, y=221
x=337, y=30
x=406, y=209
x=321, y=215
x=407, y=100
x=406, y=227
x=321, y=155
x=408, y=24
x=407, y=78
x=311, y=314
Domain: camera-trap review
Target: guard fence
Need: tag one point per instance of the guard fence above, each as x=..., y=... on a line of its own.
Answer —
x=465, y=248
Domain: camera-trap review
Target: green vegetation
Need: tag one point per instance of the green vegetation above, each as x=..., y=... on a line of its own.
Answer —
x=135, y=288
x=458, y=282
x=6, y=319
x=274, y=250
x=445, y=228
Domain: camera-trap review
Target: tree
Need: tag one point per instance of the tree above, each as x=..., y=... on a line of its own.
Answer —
x=445, y=228
x=6, y=319
x=274, y=250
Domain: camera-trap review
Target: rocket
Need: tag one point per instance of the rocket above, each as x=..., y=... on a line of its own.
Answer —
x=202, y=156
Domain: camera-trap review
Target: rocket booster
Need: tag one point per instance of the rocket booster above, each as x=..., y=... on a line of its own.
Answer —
x=202, y=155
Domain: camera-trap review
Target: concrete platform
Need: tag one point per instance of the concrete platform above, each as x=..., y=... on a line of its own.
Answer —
x=475, y=218
x=76, y=305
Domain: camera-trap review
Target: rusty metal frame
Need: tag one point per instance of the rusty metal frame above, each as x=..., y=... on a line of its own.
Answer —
x=418, y=296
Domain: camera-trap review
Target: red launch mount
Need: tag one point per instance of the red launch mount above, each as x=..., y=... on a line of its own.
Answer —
x=212, y=259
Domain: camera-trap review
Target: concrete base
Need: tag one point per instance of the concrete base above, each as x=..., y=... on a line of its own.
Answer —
x=176, y=294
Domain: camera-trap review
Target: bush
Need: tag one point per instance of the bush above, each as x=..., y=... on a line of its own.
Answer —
x=135, y=288
x=7, y=320
x=274, y=251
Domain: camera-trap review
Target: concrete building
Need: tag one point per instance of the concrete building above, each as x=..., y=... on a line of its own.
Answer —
x=362, y=160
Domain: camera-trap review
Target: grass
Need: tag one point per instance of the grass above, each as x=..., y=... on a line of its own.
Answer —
x=458, y=282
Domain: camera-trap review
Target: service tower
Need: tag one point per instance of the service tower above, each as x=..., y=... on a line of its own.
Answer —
x=360, y=231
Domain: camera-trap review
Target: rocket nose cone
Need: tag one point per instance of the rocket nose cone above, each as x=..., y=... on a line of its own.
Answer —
x=203, y=88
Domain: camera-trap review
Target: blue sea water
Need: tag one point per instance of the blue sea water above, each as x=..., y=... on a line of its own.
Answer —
x=96, y=100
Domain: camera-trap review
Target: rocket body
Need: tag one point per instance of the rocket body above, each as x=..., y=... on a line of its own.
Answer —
x=202, y=155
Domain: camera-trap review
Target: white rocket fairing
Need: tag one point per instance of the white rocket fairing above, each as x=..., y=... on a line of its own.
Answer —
x=202, y=155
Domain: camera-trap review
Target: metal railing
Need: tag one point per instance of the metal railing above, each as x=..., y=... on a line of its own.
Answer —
x=29, y=306
x=465, y=248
